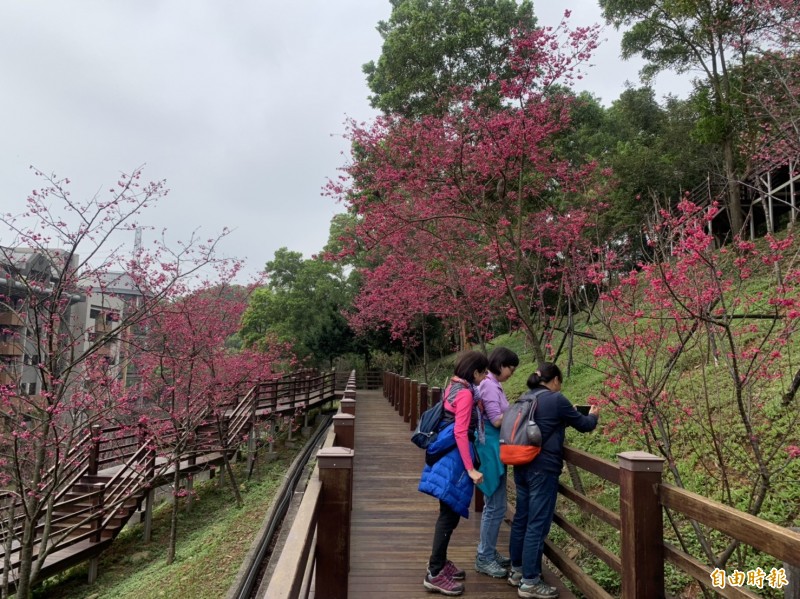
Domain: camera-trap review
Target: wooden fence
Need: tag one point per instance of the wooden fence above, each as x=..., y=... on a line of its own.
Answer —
x=318, y=549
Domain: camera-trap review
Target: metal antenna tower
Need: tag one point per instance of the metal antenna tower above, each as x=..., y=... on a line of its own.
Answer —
x=137, y=242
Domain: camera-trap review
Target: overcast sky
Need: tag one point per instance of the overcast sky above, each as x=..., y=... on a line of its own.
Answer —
x=240, y=106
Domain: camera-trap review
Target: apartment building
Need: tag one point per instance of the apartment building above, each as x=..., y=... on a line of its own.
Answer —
x=33, y=299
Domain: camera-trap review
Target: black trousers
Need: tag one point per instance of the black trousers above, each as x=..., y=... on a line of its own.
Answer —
x=445, y=525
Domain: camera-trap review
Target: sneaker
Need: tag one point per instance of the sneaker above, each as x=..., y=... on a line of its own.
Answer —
x=441, y=583
x=514, y=577
x=539, y=590
x=453, y=571
x=490, y=568
x=503, y=561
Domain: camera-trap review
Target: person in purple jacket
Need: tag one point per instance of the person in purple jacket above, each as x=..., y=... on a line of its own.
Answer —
x=537, y=482
x=502, y=363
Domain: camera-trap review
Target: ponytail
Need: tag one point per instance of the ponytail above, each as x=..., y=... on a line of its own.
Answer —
x=546, y=372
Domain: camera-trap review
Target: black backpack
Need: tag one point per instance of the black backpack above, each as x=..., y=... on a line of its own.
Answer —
x=428, y=425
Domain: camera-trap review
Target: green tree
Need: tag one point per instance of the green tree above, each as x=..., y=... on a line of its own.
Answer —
x=650, y=148
x=712, y=36
x=430, y=46
x=302, y=305
x=655, y=156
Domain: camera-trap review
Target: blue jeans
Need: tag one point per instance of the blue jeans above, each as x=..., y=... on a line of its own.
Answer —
x=536, y=504
x=494, y=510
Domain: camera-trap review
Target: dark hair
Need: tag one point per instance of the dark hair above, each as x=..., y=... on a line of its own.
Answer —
x=546, y=372
x=502, y=356
x=468, y=362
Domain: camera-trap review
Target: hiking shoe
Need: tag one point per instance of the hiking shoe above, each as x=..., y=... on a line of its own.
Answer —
x=503, y=561
x=453, y=571
x=490, y=568
x=441, y=583
x=539, y=590
x=514, y=577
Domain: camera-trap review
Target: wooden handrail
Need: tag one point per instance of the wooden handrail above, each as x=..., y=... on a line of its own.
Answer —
x=290, y=572
x=770, y=538
x=320, y=547
x=699, y=571
x=117, y=489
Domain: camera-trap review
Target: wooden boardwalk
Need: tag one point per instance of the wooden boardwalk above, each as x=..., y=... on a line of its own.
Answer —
x=392, y=522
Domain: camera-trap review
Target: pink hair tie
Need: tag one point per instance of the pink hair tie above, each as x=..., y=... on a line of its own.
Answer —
x=538, y=373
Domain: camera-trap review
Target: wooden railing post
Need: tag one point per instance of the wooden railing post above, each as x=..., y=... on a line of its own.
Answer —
x=344, y=430
x=792, y=591
x=94, y=451
x=398, y=393
x=190, y=464
x=436, y=395
x=96, y=536
x=348, y=406
x=333, y=529
x=412, y=390
x=97, y=516
x=423, y=399
x=641, y=525
x=406, y=399
x=479, y=501
x=413, y=402
x=252, y=445
x=416, y=407
x=401, y=396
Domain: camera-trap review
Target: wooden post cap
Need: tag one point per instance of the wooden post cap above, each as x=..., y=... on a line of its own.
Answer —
x=640, y=461
x=343, y=419
x=335, y=457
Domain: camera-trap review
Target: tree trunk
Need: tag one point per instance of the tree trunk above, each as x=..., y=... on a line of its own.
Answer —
x=424, y=351
x=26, y=571
x=173, y=521
x=26, y=560
x=7, y=544
x=234, y=484
x=734, y=195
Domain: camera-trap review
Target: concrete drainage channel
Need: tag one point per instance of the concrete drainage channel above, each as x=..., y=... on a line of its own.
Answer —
x=289, y=495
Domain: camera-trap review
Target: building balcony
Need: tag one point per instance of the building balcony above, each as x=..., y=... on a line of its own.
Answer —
x=10, y=319
x=11, y=348
x=108, y=350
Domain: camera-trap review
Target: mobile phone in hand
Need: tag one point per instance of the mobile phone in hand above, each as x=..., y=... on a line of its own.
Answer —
x=583, y=410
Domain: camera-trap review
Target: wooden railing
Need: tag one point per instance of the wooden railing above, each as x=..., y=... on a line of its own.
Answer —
x=318, y=549
x=132, y=452
x=643, y=498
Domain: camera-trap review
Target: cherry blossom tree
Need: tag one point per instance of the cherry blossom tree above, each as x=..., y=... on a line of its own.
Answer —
x=473, y=212
x=697, y=313
x=191, y=377
x=57, y=253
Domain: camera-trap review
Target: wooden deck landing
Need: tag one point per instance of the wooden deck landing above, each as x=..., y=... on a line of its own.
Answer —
x=392, y=522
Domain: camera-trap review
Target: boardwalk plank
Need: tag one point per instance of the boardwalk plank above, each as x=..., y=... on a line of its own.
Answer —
x=392, y=522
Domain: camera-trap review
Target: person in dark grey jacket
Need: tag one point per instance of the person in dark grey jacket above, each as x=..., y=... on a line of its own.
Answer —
x=537, y=482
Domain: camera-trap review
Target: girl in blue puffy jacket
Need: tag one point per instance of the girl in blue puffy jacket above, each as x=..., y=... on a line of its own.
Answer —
x=452, y=477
